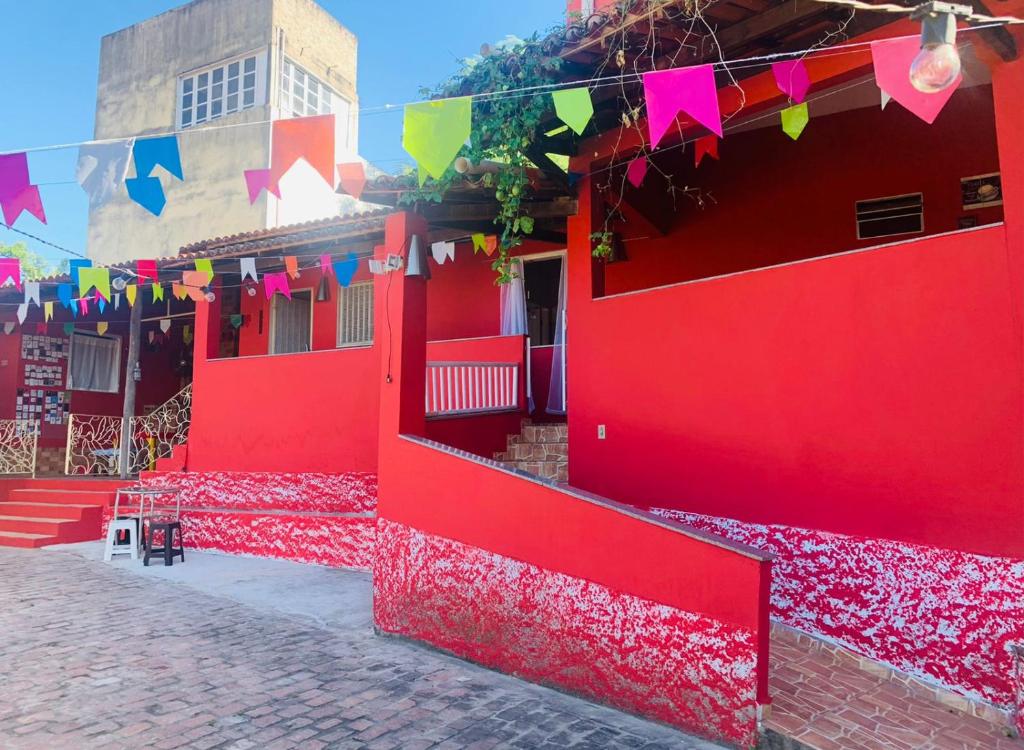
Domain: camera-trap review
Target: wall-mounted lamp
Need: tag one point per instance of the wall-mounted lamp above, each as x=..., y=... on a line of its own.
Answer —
x=416, y=265
x=137, y=372
x=323, y=290
x=937, y=65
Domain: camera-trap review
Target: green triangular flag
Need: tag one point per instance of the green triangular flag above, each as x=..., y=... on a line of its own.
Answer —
x=433, y=132
x=69, y=328
x=794, y=120
x=573, y=107
x=421, y=175
x=205, y=264
x=561, y=160
x=94, y=277
x=236, y=320
x=479, y=242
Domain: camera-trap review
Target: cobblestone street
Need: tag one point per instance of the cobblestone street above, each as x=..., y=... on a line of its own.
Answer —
x=92, y=655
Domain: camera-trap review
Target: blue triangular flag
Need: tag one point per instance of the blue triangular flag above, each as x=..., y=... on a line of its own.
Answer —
x=74, y=309
x=344, y=270
x=147, y=192
x=74, y=265
x=102, y=304
x=150, y=153
x=64, y=292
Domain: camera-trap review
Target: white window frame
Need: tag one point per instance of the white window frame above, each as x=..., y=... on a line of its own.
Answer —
x=286, y=95
x=857, y=218
x=191, y=80
x=342, y=291
x=117, y=364
x=273, y=321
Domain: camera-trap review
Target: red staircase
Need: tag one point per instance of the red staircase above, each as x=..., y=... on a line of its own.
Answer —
x=39, y=512
x=175, y=462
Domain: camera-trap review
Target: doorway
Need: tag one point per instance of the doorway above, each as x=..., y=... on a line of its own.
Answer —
x=544, y=290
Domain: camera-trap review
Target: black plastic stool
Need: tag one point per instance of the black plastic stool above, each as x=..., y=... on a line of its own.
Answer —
x=168, y=551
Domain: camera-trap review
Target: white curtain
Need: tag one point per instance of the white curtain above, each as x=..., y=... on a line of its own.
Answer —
x=513, y=303
x=95, y=363
x=556, y=392
x=513, y=310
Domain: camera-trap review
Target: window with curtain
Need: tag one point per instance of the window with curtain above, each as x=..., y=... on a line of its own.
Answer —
x=291, y=322
x=95, y=363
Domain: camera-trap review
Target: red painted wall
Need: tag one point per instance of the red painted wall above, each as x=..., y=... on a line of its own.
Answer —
x=773, y=200
x=450, y=498
x=876, y=393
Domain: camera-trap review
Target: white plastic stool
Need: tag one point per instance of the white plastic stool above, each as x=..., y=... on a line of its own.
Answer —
x=131, y=525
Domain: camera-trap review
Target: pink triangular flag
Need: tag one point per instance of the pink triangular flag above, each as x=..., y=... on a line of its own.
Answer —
x=260, y=179
x=690, y=90
x=892, y=58
x=83, y=306
x=325, y=263
x=27, y=200
x=706, y=146
x=17, y=193
x=636, y=171
x=276, y=282
x=792, y=79
x=10, y=271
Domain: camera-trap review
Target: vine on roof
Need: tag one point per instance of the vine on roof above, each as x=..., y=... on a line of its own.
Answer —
x=504, y=129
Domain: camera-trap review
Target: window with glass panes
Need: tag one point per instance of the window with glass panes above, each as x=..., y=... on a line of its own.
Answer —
x=217, y=91
x=303, y=94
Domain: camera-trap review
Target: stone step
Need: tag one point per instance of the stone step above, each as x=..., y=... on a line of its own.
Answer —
x=556, y=470
x=545, y=433
x=538, y=452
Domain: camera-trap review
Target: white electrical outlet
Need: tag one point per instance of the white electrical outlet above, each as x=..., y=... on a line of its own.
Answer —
x=601, y=435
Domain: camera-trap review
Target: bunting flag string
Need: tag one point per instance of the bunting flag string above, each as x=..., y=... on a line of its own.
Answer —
x=48, y=311
x=101, y=169
x=792, y=79
x=276, y=282
x=247, y=267
x=434, y=131
x=32, y=292
x=10, y=272
x=64, y=294
x=129, y=293
x=345, y=270
x=94, y=278
x=309, y=138
x=291, y=265
x=17, y=193
x=352, y=178
x=158, y=291
x=205, y=265
x=194, y=283
x=794, y=120
x=145, y=270
x=442, y=251
x=574, y=107
x=148, y=154
x=691, y=91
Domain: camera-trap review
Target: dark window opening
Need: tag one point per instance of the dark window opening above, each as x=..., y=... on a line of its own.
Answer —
x=887, y=217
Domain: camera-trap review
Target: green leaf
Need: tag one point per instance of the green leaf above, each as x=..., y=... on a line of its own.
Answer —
x=526, y=224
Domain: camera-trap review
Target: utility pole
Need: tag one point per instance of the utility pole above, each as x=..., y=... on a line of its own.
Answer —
x=134, y=334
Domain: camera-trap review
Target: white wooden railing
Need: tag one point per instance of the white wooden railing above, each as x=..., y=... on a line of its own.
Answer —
x=455, y=388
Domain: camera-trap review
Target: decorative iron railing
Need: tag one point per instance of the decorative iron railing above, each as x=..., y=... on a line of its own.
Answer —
x=455, y=388
x=94, y=441
x=18, y=440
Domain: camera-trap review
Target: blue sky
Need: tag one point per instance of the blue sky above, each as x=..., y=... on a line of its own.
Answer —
x=51, y=50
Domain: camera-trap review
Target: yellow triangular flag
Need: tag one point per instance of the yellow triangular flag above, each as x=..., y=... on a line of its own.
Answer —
x=158, y=292
x=48, y=311
x=205, y=265
x=101, y=327
x=129, y=292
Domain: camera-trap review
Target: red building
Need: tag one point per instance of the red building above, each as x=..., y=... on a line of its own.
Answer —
x=791, y=400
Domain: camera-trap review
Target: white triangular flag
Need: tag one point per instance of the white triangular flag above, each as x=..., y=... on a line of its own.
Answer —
x=117, y=301
x=9, y=326
x=102, y=168
x=165, y=325
x=22, y=312
x=32, y=292
x=442, y=251
x=152, y=335
x=885, y=98
x=248, y=268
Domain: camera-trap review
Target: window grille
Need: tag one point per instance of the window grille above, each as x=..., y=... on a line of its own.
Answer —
x=219, y=90
x=888, y=217
x=355, y=314
x=291, y=323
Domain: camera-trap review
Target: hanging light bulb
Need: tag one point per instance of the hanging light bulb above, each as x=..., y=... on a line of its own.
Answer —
x=251, y=291
x=937, y=65
x=211, y=297
x=119, y=283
